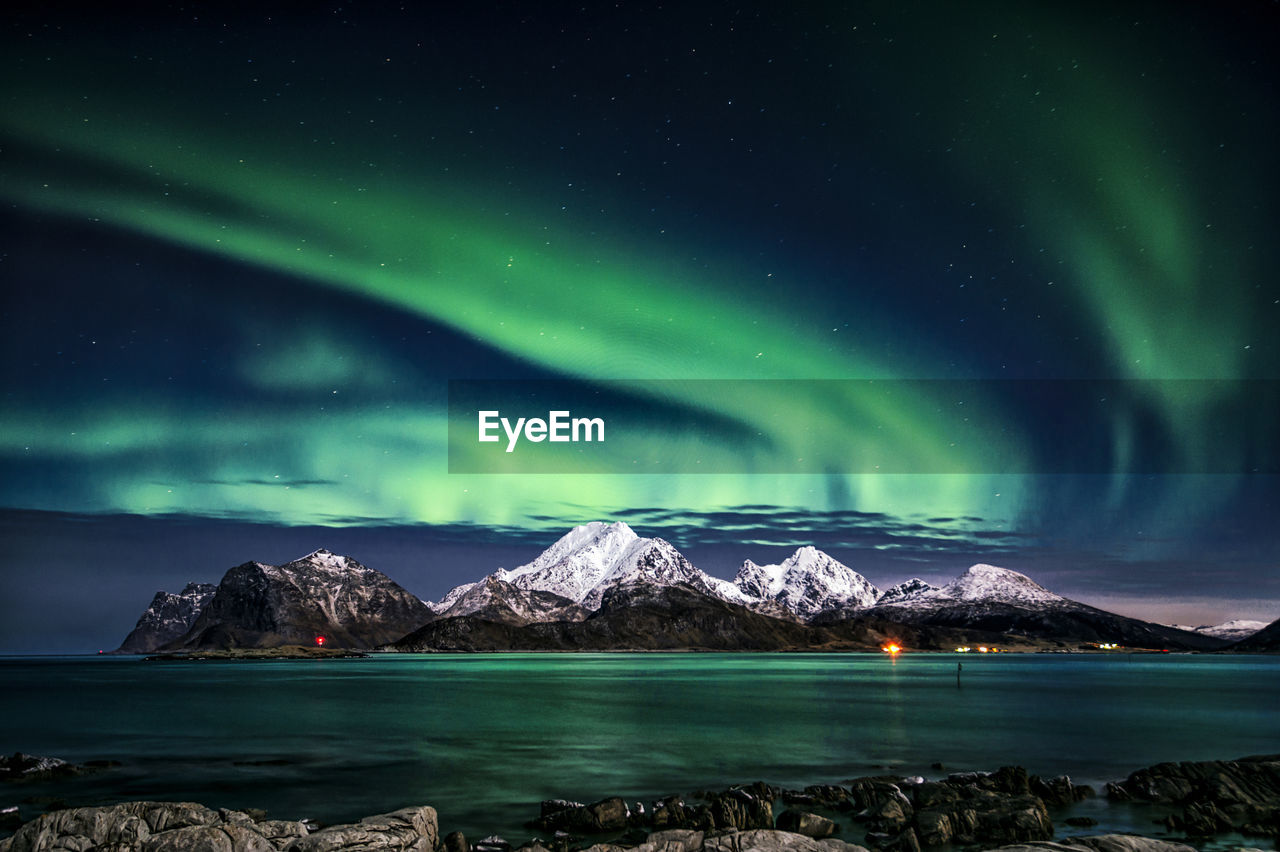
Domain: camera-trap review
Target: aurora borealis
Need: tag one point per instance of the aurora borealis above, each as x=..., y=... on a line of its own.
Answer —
x=244, y=252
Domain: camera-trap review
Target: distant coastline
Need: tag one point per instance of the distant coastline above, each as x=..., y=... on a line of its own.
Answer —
x=601, y=587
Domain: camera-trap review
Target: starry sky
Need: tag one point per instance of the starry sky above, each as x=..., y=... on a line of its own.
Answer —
x=243, y=254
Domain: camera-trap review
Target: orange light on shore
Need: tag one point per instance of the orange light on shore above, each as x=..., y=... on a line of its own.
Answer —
x=891, y=648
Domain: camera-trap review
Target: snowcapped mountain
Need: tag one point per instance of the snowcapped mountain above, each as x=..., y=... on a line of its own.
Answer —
x=980, y=584
x=999, y=601
x=806, y=583
x=1266, y=640
x=594, y=557
x=322, y=594
x=498, y=600
x=602, y=586
x=167, y=618
x=1234, y=630
x=989, y=584
x=905, y=590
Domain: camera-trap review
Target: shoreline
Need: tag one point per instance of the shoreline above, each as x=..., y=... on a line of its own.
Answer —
x=1193, y=802
x=302, y=653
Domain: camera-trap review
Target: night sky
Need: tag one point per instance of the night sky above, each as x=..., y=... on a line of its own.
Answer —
x=243, y=252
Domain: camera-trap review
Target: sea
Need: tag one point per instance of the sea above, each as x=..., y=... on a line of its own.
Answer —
x=485, y=737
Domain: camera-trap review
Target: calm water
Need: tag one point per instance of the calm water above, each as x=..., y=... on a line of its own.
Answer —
x=483, y=738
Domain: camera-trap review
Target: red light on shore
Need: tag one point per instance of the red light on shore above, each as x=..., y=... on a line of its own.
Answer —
x=320, y=640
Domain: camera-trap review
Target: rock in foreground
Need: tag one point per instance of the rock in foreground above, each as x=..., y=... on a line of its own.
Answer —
x=1101, y=843
x=175, y=826
x=1215, y=795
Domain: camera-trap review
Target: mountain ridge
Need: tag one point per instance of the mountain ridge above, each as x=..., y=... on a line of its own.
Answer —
x=604, y=577
x=167, y=618
x=321, y=598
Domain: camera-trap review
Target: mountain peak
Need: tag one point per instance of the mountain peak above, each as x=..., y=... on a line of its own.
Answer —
x=320, y=595
x=1235, y=630
x=990, y=583
x=806, y=582
x=905, y=591
x=591, y=557
x=325, y=559
x=168, y=617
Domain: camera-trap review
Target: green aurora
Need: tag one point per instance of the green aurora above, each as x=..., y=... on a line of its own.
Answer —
x=1146, y=234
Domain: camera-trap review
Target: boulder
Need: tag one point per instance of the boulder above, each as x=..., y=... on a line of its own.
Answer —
x=1216, y=795
x=596, y=818
x=829, y=795
x=31, y=766
x=228, y=837
x=904, y=841
x=794, y=798
x=1059, y=792
x=772, y=840
x=190, y=827
x=1100, y=843
x=675, y=840
x=608, y=815
x=1013, y=820
x=456, y=841
x=969, y=807
x=934, y=828
x=281, y=831
x=672, y=812
x=1009, y=779
x=933, y=794
x=555, y=806
x=808, y=824
x=406, y=830
x=124, y=826
x=881, y=805
x=740, y=808
x=1116, y=792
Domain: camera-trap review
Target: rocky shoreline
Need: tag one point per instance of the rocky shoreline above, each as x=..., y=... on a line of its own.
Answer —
x=1006, y=809
x=284, y=652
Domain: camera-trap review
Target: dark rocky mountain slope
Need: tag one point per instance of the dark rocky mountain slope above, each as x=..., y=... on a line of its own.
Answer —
x=320, y=595
x=168, y=618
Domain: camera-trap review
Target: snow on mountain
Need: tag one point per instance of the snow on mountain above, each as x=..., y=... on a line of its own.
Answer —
x=168, y=617
x=590, y=558
x=987, y=583
x=1235, y=630
x=807, y=582
x=325, y=560
x=581, y=560
x=258, y=605
x=906, y=590
x=452, y=597
x=498, y=600
x=982, y=584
